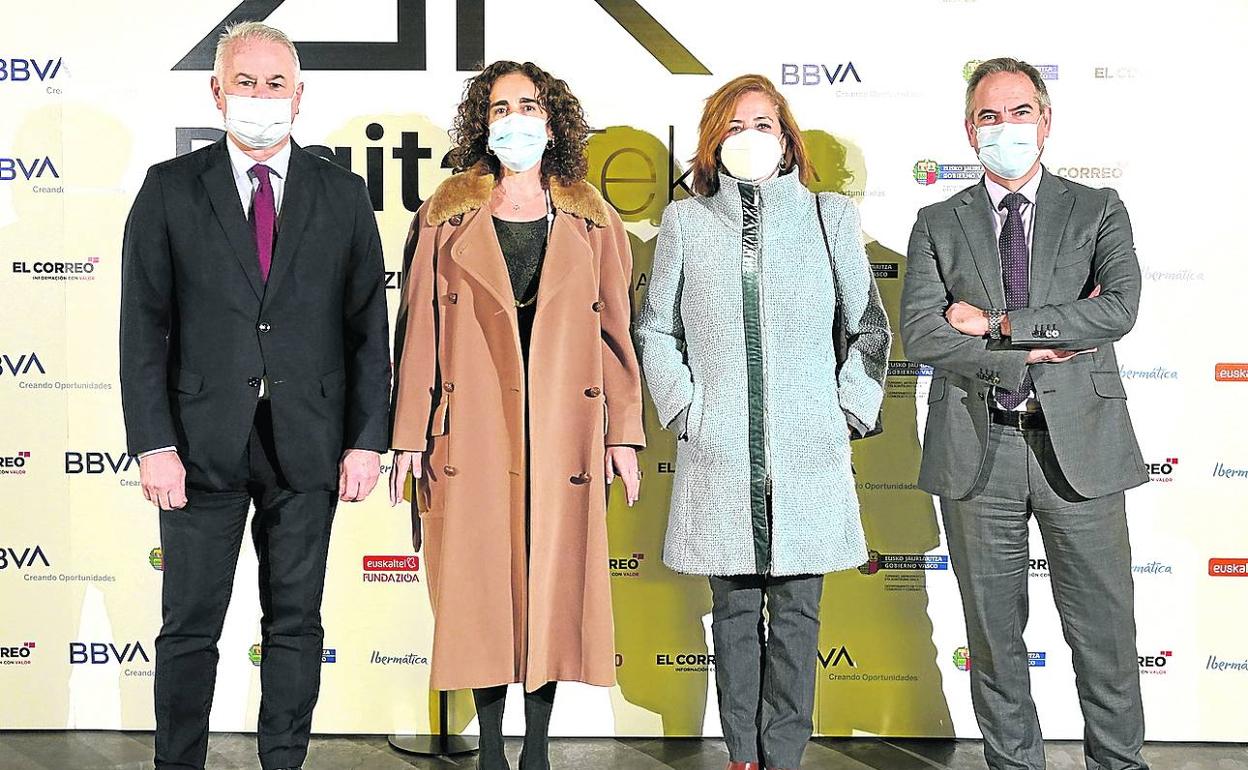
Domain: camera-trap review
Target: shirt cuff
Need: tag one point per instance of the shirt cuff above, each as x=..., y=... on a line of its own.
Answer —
x=150, y=452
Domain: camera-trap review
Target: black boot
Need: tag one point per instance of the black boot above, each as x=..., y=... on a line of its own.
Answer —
x=490, y=703
x=537, y=707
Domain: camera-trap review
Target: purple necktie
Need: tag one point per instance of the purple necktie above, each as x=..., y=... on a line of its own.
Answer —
x=263, y=218
x=1014, y=274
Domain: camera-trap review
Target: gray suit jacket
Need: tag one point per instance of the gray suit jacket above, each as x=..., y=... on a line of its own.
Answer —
x=1081, y=238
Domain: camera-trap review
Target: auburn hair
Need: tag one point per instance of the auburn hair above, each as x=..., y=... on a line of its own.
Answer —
x=564, y=159
x=718, y=113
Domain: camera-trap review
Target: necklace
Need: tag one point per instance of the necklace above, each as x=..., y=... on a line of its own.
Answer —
x=515, y=205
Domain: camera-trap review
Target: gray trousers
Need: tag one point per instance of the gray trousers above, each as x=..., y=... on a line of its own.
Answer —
x=765, y=671
x=1089, y=558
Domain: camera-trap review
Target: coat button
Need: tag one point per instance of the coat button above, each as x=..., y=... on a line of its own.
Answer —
x=453, y=298
x=581, y=478
x=450, y=470
x=456, y=220
x=254, y=382
x=593, y=392
x=597, y=306
x=449, y=387
x=264, y=326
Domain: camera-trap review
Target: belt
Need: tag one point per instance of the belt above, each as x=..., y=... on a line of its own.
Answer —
x=1019, y=420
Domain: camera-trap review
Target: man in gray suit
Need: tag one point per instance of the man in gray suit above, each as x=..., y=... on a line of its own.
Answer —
x=1017, y=289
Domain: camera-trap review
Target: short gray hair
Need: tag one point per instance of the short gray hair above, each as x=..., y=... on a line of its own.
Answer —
x=250, y=30
x=1005, y=64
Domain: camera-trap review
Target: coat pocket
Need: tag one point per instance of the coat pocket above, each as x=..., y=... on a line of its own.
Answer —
x=1108, y=385
x=936, y=391
x=441, y=417
x=188, y=382
x=333, y=383
x=693, y=420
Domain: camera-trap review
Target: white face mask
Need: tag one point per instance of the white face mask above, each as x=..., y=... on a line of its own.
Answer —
x=751, y=155
x=518, y=140
x=257, y=123
x=1008, y=150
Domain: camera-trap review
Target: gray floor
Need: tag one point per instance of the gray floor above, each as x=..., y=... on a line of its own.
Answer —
x=88, y=750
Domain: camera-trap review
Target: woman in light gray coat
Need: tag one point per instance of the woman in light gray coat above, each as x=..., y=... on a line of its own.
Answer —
x=754, y=281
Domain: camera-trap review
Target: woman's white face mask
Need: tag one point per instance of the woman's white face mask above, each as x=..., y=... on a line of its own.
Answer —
x=751, y=155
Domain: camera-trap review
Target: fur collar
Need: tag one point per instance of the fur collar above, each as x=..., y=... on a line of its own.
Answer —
x=470, y=190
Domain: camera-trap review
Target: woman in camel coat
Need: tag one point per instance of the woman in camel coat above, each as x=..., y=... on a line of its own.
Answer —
x=515, y=412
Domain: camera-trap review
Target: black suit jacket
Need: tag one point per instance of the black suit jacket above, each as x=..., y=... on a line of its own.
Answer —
x=199, y=327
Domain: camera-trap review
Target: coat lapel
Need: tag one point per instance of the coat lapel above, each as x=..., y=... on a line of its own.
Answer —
x=478, y=253
x=218, y=179
x=297, y=203
x=1053, y=207
x=975, y=216
x=567, y=251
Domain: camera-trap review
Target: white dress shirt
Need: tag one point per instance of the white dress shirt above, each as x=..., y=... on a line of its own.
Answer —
x=996, y=194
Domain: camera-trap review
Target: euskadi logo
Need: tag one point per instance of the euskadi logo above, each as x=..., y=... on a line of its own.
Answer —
x=329, y=655
x=104, y=653
x=17, y=655
x=156, y=558
x=905, y=562
x=255, y=653
x=962, y=658
x=22, y=557
x=929, y=172
x=14, y=464
x=1047, y=71
x=392, y=569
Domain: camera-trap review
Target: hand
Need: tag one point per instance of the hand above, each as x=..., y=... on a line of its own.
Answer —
x=357, y=474
x=164, y=480
x=967, y=319
x=622, y=462
x=403, y=463
x=1054, y=355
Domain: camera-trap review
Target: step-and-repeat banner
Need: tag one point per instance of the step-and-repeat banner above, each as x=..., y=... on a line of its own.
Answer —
x=1145, y=100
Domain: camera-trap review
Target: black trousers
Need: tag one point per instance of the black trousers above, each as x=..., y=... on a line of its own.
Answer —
x=201, y=544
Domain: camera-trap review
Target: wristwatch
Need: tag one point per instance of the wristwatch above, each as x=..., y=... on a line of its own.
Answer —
x=995, y=317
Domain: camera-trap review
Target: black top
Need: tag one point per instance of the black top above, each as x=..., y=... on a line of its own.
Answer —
x=524, y=247
x=524, y=250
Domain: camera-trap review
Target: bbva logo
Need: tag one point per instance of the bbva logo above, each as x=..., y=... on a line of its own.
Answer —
x=94, y=463
x=101, y=653
x=35, y=168
x=20, y=365
x=19, y=70
x=835, y=657
x=27, y=558
x=816, y=74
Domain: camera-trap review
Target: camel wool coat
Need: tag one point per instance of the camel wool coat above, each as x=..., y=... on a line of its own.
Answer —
x=501, y=616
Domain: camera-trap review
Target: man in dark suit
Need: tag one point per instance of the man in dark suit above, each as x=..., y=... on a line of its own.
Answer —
x=255, y=368
x=1017, y=289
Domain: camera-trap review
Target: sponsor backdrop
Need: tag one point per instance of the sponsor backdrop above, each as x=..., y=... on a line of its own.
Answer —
x=88, y=106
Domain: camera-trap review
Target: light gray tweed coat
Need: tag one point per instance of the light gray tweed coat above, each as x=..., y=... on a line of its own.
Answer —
x=736, y=343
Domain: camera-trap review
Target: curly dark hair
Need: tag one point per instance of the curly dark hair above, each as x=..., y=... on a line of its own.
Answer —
x=564, y=160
